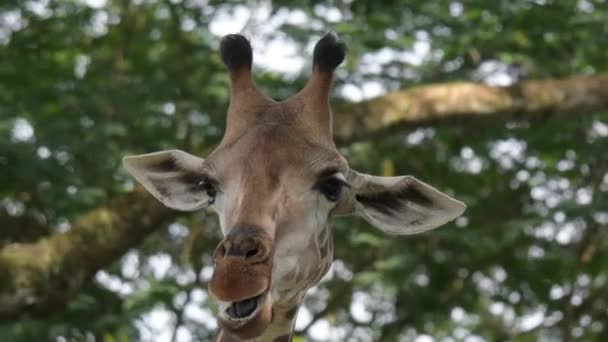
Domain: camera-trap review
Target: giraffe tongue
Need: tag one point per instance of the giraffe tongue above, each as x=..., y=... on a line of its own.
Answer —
x=243, y=308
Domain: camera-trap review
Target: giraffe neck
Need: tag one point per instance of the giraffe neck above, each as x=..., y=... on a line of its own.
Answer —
x=279, y=330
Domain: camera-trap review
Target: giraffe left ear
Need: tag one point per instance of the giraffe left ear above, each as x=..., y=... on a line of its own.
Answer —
x=398, y=205
x=172, y=176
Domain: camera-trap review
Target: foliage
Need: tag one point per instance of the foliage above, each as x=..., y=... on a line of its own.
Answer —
x=83, y=83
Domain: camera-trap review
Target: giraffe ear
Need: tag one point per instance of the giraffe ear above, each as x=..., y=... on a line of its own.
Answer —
x=400, y=205
x=172, y=176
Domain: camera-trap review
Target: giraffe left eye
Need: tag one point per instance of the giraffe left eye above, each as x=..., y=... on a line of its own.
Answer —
x=208, y=187
x=331, y=188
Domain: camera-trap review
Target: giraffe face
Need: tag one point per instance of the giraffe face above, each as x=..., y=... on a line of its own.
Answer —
x=275, y=180
x=275, y=191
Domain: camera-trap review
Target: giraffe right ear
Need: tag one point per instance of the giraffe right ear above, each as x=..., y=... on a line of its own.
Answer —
x=172, y=176
x=398, y=205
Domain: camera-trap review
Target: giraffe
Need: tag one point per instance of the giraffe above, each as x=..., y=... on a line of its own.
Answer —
x=275, y=180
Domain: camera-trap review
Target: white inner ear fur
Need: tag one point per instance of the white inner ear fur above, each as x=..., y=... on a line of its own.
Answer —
x=402, y=205
x=172, y=176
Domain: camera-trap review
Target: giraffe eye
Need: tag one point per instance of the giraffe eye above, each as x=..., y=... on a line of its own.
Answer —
x=331, y=188
x=209, y=188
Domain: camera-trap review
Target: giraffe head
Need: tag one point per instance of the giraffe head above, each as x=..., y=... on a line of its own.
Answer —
x=275, y=180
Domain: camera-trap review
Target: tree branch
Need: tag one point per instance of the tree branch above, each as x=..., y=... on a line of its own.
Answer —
x=464, y=101
x=39, y=278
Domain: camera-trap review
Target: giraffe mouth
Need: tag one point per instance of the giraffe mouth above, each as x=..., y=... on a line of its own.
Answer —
x=246, y=318
x=245, y=309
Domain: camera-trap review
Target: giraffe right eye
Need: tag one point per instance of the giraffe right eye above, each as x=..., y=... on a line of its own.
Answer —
x=331, y=188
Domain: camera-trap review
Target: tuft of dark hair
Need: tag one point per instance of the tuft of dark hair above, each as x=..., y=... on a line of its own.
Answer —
x=236, y=52
x=329, y=52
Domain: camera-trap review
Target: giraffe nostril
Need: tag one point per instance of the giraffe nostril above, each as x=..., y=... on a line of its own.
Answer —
x=220, y=251
x=251, y=245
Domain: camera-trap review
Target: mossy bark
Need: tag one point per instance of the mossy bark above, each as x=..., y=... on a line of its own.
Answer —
x=465, y=102
x=39, y=278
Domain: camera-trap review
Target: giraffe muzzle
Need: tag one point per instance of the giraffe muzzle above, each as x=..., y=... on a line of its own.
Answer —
x=243, y=266
x=241, y=280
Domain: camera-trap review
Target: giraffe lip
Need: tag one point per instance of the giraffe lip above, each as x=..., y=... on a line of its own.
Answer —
x=246, y=308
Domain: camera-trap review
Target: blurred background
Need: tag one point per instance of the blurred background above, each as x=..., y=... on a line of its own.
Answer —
x=85, y=82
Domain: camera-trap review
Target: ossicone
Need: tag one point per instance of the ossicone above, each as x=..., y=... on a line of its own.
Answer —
x=329, y=53
x=236, y=52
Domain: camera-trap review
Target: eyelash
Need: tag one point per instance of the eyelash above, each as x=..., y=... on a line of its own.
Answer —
x=331, y=188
